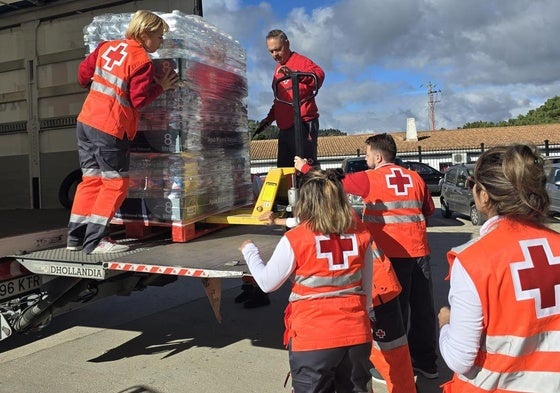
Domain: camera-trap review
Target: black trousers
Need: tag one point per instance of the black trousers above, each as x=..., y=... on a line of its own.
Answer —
x=287, y=144
x=340, y=370
x=417, y=306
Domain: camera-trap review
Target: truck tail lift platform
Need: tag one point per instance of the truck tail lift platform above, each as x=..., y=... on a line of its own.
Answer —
x=37, y=283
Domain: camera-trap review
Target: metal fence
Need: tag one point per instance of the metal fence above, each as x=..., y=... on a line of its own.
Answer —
x=440, y=159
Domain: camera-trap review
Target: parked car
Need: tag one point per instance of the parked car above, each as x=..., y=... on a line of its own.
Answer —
x=351, y=165
x=431, y=176
x=553, y=188
x=354, y=164
x=456, y=196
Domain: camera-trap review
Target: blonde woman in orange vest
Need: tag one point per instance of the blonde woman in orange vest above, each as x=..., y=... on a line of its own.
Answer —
x=328, y=258
x=502, y=333
x=120, y=76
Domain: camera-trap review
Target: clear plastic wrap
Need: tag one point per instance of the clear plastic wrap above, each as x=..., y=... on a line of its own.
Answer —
x=190, y=158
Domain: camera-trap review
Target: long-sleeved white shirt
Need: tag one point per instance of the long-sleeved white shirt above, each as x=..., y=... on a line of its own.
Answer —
x=459, y=341
x=271, y=275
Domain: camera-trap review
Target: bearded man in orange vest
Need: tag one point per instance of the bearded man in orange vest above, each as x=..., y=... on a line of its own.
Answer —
x=121, y=80
x=397, y=203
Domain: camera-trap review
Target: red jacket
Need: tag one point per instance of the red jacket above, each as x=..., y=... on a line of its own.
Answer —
x=121, y=77
x=282, y=113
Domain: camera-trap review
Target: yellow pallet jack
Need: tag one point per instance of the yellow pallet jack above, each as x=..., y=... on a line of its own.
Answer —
x=280, y=184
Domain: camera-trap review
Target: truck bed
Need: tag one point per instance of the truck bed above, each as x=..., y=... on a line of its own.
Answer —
x=14, y=222
x=211, y=255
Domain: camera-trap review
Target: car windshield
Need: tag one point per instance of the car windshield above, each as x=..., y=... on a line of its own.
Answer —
x=356, y=165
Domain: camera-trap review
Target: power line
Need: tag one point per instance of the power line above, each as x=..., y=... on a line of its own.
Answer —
x=434, y=96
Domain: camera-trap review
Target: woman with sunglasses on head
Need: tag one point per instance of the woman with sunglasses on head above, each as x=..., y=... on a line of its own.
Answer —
x=502, y=331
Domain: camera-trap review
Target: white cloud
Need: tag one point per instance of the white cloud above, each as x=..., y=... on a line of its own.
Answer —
x=492, y=60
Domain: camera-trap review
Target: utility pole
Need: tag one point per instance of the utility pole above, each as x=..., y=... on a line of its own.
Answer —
x=433, y=97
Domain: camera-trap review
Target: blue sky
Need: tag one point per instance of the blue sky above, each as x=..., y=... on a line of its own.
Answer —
x=492, y=60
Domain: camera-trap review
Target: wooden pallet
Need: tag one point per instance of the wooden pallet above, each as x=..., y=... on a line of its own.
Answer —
x=181, y=231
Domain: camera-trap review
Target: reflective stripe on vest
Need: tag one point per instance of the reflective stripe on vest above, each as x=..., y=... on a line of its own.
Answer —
x=521, y=346
x=382, y=206
x=111, y=91
x=393, y=219
x=339, y=281
x=517, y=381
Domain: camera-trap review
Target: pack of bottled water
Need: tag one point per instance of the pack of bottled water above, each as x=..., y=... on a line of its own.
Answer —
x=190, y=158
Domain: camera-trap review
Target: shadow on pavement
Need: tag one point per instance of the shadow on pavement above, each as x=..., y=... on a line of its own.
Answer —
x=175, y=330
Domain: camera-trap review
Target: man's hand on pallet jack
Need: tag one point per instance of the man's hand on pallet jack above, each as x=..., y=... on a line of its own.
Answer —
x=299, y=163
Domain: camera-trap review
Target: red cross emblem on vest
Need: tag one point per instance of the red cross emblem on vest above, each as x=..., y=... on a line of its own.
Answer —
x=114, y=56
x=337, y=249
x=538, y=277
x=399, y=181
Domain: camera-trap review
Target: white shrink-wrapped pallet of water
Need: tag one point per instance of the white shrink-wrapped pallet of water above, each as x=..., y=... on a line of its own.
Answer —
x=190, y=158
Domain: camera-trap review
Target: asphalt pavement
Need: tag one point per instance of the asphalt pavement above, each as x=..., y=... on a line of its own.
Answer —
x=167, y=340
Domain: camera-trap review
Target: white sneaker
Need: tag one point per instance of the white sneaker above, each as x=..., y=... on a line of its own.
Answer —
x=106, y=246
x=74, y=248
x=376, y=377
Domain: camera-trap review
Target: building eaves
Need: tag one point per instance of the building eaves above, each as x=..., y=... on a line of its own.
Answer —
x=350, y=145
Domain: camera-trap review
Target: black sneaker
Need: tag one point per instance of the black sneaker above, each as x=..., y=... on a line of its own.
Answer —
x=247, y=292
x=427, y=372
x=258, y=299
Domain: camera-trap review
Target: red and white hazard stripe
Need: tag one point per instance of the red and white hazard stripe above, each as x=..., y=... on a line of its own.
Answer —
x=172, y=270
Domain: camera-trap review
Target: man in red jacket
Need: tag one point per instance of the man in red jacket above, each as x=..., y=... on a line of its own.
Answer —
x=287, y=62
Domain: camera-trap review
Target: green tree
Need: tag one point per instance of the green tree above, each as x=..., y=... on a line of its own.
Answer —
x=547, y=113
x=331, y=132
x=271, y=132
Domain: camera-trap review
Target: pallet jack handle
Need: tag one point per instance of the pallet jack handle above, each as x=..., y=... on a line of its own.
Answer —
x=296, y=103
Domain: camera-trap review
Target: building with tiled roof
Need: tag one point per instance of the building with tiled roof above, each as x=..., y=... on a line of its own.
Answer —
x=436, y=148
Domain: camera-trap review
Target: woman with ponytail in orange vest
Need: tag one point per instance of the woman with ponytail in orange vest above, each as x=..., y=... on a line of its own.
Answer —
x=502, y=332
x=121, y=80
x=328, y=258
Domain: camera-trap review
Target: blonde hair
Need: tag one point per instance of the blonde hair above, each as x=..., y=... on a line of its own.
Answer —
x=323, y=204
x=145, y=22
x=515, y=181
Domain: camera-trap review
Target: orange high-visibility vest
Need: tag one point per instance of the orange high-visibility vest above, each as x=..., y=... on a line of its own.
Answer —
x=393, y=211
x=328, y=304
x=107, y=106
x=516, y=271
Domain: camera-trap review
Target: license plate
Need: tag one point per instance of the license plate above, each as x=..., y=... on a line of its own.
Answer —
x=17, y=286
